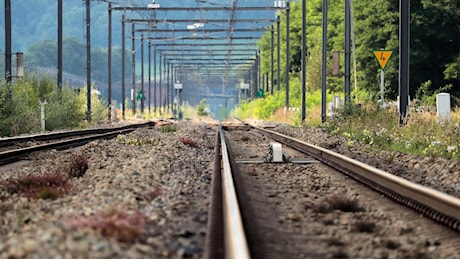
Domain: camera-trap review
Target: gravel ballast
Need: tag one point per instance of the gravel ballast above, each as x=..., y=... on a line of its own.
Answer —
x=157, y=182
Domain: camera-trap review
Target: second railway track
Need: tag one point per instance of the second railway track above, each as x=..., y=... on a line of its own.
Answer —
x=14, y=148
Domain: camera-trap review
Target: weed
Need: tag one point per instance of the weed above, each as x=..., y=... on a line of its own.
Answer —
x=168, y=129
x=137, y=142
x=46, y=186
x=245, y=138
x=115, y=224
x=189, y=141
x=364, y=227
x=337, y=202
x=78, y=166
x=48, y=193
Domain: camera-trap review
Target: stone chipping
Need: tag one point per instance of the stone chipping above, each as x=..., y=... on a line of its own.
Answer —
x=152, y=175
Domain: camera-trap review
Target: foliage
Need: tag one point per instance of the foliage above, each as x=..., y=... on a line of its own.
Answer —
x=433, y=24
x=202, y=108
x=168, y=128
x=20, y=106
x=380, y=129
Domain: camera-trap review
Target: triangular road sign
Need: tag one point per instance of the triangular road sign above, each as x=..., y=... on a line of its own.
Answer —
x=383, y=57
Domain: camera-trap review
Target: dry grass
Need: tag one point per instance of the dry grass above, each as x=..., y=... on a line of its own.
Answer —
x=337, y=202
x=114, y=223
x=78, y=166
x=44, y=186
x=189, y=141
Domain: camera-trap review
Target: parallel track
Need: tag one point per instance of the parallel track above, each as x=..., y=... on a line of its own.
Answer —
x=55, y=140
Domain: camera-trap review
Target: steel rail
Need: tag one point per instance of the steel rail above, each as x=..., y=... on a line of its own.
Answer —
x=7, y=141
x=436, y=205
x=236, y=245
x=89, y=135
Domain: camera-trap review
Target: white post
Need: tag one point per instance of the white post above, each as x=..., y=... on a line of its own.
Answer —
x=42, y=113
x=382, y=85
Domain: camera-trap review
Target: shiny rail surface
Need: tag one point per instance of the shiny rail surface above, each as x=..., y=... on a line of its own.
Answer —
x=80, y=137
x=229, y=241
x=435, y=205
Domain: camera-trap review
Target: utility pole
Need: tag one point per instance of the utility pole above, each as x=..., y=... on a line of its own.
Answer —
x=142, y=72
x=324, y=63
x=404, y=37
x=155, y=79
x=59, y=45
x=123, y=60
x=278, y=52
x=133, y=68
x=88, y=61
x=304, y=59
x=272, y=59
x=109, y=63
x=150, y=76
x=288, y=54
x=8, y=63
x=347, y=51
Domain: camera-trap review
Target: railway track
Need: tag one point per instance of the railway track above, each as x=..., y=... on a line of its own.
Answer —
x=267, y=234
x=300, y=209
x=15, y=148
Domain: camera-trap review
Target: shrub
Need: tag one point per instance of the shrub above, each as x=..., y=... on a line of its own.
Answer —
x=201, y=109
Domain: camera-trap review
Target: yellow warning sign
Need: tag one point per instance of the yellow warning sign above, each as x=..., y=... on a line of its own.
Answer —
x=383, y=57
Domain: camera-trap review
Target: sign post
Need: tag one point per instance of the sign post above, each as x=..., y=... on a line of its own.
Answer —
x=382, y=56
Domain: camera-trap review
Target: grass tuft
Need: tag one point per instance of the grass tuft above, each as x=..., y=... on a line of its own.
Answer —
x=364, y=227
x=337, y=202
x=45, y=186
x=189, y=141
x=78, y=166
x=168, y=129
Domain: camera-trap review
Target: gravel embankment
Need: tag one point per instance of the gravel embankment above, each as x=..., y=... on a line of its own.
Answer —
x=162, y=185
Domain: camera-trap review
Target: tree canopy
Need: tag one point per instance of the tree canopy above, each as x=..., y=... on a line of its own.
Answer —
x=434, y=44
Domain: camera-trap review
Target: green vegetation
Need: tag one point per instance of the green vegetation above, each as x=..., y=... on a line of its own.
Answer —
x=20, y=106
x=136, y=142
x=434, y=70
x=202, y=108
x=423, y=135
x=169, y=128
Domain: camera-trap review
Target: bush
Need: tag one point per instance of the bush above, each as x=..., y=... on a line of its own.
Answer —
x=20, y=106
x=201, y=110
